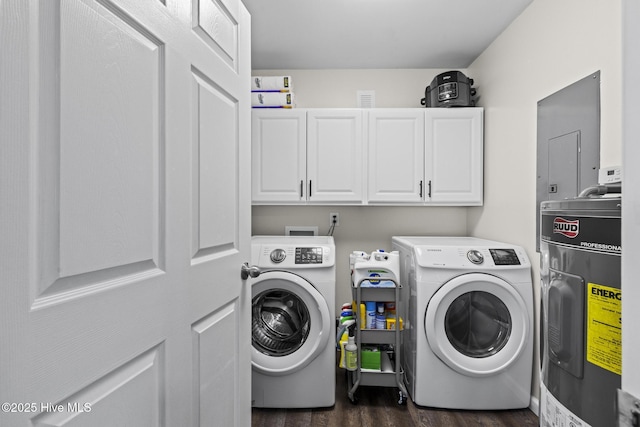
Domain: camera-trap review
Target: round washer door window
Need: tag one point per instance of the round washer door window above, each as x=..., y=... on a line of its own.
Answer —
x=290, y=323
x=477, y=324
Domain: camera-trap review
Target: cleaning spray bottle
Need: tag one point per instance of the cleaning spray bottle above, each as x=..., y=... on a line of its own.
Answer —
x=351, y=351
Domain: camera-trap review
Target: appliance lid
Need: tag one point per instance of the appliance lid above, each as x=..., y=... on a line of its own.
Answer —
x=602, y=203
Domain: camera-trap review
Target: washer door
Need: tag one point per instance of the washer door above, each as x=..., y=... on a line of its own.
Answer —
x=477, y=324
x=290, y=323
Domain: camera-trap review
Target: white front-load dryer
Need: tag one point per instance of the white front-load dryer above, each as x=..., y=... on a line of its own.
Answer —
x=293, y=322
x=468, y=338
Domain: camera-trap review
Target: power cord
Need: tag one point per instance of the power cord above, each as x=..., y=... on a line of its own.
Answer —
x=334, y=221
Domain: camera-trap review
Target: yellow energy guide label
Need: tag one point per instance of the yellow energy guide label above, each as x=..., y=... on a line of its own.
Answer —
x=604, y=327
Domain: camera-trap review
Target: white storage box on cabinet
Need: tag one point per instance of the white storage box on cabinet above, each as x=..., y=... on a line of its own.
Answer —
x=305, y=156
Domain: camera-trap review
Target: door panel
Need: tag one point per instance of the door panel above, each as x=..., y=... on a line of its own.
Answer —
x=216, y=370
x=279, y=154
x=127, y=214
x=454, y=150
x=396, y=156
x=215, y=148
x=216, y=22
x=105, y=403
x=82, y=164
x=335, y=155
x=564, y=166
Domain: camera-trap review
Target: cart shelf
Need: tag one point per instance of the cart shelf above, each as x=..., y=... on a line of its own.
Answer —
x=390, y=373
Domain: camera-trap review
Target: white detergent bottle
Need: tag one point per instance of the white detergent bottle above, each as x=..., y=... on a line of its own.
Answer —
x=379, y=265
x=351, y=351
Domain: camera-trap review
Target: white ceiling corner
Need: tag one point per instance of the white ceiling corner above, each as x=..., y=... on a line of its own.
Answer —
x=375, y=34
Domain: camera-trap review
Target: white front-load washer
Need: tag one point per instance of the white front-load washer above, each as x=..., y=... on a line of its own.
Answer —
x=293, y=322
x=468, y=338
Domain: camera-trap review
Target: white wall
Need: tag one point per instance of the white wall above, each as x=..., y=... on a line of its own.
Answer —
x=338, y=88
x=631, y=200
x=551, y=45
x=361, y=228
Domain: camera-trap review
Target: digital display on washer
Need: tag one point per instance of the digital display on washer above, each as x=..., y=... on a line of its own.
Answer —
x=504, y=257
x=308, y=255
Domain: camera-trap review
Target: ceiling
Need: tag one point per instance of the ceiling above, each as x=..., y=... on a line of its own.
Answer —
x=375, y=34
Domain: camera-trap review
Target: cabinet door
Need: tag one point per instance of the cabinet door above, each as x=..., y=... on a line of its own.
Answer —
x=334, y=155
x=278, y=141
x=396, y=155
x=454, y=156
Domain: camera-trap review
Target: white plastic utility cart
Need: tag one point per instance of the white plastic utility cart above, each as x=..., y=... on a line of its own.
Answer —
x=390, y=373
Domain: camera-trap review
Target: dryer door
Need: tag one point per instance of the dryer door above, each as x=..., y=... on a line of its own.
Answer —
x=477, y=324
x=290, y=323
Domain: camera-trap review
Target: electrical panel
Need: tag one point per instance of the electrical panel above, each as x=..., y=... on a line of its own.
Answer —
x=568, y=142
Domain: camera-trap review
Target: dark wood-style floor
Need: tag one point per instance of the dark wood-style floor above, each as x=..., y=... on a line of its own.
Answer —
x=378, y=407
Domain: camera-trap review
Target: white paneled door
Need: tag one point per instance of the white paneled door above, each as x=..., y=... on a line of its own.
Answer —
x=124, y=213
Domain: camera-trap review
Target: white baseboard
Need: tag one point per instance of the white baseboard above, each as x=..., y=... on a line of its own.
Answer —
x=534, y=405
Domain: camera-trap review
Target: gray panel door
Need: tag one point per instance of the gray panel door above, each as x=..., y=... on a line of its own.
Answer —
x=564, y=166
x=568, y=154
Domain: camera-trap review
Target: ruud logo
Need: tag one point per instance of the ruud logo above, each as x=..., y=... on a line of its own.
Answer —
x=566, y=227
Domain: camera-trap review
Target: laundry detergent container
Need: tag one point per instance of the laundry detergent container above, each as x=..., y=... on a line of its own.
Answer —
x=372, y=272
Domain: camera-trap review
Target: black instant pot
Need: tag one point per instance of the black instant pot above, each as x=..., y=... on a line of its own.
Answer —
x=449, y=89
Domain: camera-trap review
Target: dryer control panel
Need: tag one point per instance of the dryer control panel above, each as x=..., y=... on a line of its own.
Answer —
x=504, y=256
x=470, y=257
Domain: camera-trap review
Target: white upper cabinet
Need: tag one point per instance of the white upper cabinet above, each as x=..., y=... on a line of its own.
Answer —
x=396, y=155
x=313, y=156
x=399, y=156
x=454, y=156
x=334, y=155
x=278, y=155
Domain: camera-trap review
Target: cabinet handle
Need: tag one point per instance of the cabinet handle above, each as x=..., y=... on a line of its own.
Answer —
x=301, y=188
x=421, y=189
x=309, y=188
x=429, y=188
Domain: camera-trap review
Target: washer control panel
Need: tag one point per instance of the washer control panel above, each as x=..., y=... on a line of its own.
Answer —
x=309, y=255
x=295, y=256
x=302, y=255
